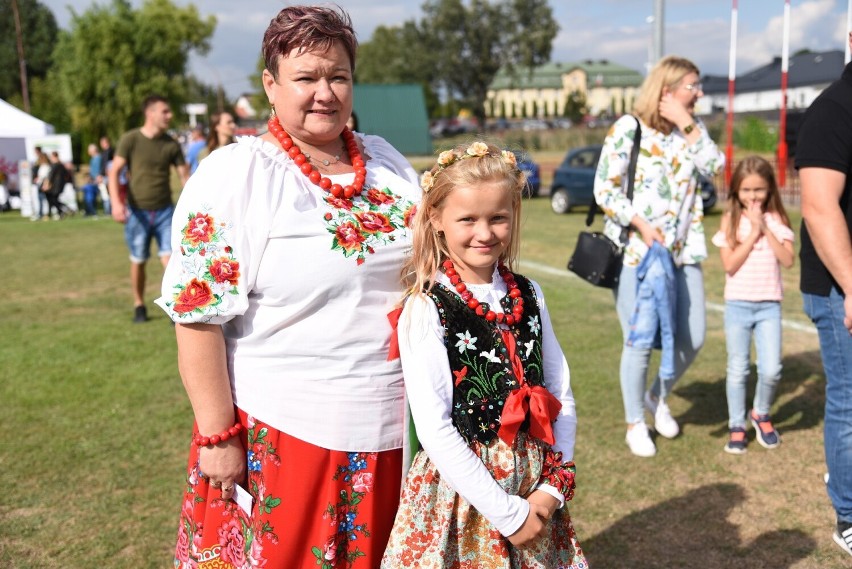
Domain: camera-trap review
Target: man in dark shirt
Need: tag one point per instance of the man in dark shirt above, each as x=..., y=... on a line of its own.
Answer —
x=824, y=161
x=149, y=153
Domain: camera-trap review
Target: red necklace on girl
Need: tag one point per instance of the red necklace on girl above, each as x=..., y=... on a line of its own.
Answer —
x=481, y=309
x=312, y=173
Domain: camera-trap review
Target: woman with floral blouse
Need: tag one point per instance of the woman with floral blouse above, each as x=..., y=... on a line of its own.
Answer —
x=288, y=250
x=666, y=208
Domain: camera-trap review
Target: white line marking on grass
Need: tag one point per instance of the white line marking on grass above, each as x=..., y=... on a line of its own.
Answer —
x=807, y=328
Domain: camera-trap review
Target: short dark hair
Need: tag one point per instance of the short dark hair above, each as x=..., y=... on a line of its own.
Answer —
x=152, y=100
x=309, y=28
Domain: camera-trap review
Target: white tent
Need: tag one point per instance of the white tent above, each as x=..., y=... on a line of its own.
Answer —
x=20, y=133
x=15, y=123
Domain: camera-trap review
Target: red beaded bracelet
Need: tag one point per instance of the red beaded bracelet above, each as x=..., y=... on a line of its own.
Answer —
x=216, y=439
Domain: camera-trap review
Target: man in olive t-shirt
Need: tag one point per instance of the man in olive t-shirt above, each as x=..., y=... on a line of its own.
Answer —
x=148, y=153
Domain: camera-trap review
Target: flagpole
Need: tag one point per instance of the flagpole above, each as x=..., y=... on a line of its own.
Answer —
x=732, y=75
x=782, y=129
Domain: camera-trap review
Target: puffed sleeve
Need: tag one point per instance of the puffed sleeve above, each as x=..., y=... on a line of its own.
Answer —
x=609, y=190
x=219, y=231
x=428, y=384
x=386, y=155
x=720, y=240
x=778, y=228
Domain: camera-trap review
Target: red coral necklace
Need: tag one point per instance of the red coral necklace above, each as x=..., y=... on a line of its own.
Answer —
x=296, y=154
x=514, y=303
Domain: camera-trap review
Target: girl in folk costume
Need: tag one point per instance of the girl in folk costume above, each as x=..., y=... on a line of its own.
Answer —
x=754, y=239
x=487, y=383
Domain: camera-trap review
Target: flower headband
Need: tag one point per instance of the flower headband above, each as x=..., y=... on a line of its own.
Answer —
x=450, y=157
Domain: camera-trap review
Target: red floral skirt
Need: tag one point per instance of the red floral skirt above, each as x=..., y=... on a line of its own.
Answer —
x=312, y=508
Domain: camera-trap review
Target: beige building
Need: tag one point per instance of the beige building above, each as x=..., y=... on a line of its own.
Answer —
x=608, y=89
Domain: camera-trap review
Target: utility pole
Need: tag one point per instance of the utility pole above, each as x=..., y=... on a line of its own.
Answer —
x=25, y=92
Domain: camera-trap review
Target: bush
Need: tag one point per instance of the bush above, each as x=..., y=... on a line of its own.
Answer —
x=755, y=135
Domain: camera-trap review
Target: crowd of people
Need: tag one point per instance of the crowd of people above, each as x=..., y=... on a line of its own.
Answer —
x=372, y=381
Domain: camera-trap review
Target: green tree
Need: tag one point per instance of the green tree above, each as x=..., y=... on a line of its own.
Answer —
x=458, y=47
x=114, y=56
x=397, y=55
x=212, y=95
x=575, y=106
x=259, y=100
x=472, y=42
x=38, y=31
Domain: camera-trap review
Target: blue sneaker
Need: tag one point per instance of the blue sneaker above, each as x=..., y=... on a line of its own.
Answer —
x=737, y=441
x=767, y=436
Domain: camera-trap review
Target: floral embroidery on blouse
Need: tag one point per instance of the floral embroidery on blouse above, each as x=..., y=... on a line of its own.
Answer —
x=211, y=271
x=371, y=220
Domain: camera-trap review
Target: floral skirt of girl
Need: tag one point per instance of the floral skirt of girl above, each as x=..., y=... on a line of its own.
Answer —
x=438, y=528
x=312, y=508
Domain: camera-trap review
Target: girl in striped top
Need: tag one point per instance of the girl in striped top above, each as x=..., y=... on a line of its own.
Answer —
x=755, y=240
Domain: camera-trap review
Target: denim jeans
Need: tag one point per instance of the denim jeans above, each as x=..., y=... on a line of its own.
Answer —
x=835, y=345
x=742, y=319
x=146, y=224
x=689, y=336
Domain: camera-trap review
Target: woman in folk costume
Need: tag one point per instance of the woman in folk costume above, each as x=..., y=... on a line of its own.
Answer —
x=487, y=383
x=288, y=249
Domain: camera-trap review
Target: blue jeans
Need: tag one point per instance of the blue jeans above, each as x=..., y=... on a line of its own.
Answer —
x=90, y=196
x=143, y=225
x=742, y=319
x=689, y=336
x=835, y=344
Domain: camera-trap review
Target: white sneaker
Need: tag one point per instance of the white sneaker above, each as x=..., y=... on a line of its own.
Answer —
x=664, y=423
x=639, y=441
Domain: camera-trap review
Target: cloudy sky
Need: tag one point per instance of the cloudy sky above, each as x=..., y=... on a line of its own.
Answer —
x=618, y=30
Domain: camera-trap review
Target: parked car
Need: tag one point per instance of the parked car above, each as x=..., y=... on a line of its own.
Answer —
x=534, y=124
x=708, y=192
x=574, y=181
x=533, y=172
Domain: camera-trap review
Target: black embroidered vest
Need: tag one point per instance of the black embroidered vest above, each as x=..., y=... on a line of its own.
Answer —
x=482, y=372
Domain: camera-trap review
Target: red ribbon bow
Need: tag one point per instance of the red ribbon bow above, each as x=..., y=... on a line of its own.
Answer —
x=393, y=348
x=542, y=407
x=538, y=402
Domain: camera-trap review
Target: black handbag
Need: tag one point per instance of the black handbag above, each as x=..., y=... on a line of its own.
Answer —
x=596, y=258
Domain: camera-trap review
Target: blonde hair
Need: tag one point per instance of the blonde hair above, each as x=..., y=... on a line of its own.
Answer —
x=666, y=74
x=429, y=249
x=734, y=208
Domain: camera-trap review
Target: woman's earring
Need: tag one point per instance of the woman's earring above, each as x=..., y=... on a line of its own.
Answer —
x=272, y=106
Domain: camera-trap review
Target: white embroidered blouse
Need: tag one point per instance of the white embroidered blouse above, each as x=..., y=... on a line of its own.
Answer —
x=301, y=284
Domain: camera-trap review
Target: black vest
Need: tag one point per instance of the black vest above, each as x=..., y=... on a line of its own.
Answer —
x=482, y=373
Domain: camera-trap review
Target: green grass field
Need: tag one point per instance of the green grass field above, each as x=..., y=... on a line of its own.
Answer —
x=96, y=422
